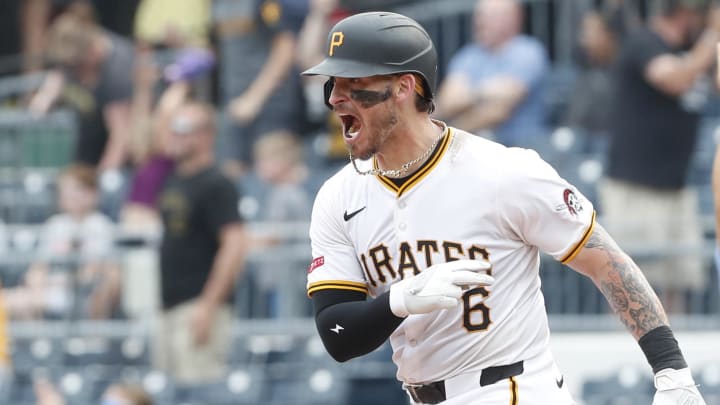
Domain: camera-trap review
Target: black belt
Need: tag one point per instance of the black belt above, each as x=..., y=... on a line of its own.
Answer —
x=434, y=393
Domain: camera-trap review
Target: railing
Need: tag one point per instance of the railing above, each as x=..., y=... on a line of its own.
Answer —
x=567, y=293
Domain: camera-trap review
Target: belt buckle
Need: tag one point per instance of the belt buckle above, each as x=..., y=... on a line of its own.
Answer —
x=410, y=389
x=430, y=393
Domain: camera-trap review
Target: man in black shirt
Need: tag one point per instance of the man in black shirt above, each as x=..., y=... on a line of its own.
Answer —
x=202, y=253
x=658, y=95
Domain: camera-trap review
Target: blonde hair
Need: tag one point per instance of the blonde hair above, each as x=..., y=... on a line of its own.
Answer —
x=282, y=144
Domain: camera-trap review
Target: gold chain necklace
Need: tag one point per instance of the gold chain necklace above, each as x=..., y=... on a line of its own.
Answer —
x=404, y=168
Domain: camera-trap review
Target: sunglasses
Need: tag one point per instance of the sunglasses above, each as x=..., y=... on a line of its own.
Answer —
x=183, y=126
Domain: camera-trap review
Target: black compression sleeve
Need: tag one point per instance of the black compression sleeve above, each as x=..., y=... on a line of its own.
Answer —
x=350, y=326
x=662, y=350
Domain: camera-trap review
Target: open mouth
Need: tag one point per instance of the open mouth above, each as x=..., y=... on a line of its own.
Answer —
x=351, y=126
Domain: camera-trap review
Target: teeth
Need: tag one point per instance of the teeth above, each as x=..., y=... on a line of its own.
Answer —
x=352, y=126
x=353, y=129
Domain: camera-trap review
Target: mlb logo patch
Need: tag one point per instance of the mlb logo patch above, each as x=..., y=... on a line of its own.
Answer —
x=317, y=262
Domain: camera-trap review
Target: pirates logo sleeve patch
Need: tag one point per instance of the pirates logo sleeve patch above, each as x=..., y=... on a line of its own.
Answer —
x=572, y=202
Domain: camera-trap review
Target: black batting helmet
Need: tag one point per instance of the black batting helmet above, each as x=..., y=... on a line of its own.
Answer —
x=379, y=43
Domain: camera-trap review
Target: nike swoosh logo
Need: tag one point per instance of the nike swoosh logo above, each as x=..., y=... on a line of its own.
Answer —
x=560, y=381
x=349, y=216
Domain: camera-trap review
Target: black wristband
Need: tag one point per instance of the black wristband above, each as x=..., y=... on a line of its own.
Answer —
x=662, y=350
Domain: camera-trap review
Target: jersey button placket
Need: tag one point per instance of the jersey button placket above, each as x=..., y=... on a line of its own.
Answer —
x=400, y=217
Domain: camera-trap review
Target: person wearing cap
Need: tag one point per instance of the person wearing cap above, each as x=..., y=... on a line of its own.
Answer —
x=443, y=230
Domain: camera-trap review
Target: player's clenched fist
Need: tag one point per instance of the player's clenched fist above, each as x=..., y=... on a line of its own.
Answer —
x=437, y=287
x=676, y=387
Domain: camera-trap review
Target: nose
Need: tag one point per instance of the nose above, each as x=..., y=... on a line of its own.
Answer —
x=333, y=96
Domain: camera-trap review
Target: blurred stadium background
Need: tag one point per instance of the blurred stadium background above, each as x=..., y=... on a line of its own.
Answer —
x=278, y=359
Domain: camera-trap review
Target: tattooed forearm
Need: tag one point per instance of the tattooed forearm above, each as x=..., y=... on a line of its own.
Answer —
x=624, y=286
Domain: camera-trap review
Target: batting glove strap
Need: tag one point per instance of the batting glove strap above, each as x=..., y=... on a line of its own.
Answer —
x=676, y=387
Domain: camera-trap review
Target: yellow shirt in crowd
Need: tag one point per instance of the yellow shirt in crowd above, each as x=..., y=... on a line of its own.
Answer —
x=156, y=20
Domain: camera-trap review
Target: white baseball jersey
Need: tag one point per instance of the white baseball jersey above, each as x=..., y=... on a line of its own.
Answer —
x=474, y=198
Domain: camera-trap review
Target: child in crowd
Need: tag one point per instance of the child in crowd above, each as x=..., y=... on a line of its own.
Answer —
x=74, y=273
x=280, y=166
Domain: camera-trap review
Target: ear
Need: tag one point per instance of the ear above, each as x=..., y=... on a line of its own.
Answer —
x=405, y=87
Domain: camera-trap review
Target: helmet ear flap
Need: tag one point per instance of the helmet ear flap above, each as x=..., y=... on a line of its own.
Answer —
x=327, y=90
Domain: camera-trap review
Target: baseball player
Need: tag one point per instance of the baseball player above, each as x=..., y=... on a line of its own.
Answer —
x=443, y=230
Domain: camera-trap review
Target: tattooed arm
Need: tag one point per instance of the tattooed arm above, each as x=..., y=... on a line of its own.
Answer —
x=631, y=297
x=621, y=281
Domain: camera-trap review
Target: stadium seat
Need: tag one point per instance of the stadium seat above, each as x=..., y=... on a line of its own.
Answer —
x=128, y=351
x=276, y=349
x=30, y=354
x=315, y=352
x=708, y=380
x=304, y=384
x=372, y=379
x=239, y=387
x=583, y=171
x=159, y=385
x=20, y=389
x=628, y=386
x=75, y=384
x=79, y=351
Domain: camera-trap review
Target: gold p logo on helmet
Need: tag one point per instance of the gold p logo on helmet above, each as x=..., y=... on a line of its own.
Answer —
x=335, y=41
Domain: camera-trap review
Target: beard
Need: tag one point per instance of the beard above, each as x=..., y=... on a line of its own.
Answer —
x=378, y=133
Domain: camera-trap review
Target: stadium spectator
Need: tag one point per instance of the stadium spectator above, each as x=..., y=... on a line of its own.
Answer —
x=179, y=36
x=261, y=89
x=139, y=216
x=150, y=140
x=202, y=253
x=35, y=16
x=280, y=165
x=716, y=195
x=588, y=107
x=165, y=23
x=93, y=77
x=659, y=90
x=493, y=85
x=74, y=273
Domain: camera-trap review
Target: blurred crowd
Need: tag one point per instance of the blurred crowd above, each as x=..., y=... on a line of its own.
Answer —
x=193, y=124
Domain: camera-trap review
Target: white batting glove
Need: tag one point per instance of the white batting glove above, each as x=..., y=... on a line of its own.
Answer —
x=676, y=387
x=437, y=287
